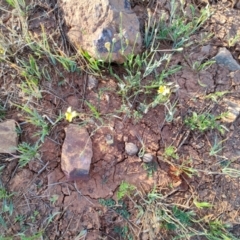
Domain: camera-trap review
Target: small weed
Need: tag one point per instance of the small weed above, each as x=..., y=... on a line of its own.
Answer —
x=218, y=230
x=94, y=110
x=93, y=65
x=215, y=96
x=124, y=189
x=11, y=2
x=30, y=88
x=51, y=217
x=109, y=202
x=233, y=40
x=68, y=64
x=37, y=120
x=6, y=205
x=123, y=232
x=150, y=167
x=184, y=217
x=27, y=153
x=2, y=112
x=34, y=216
x=31, y=69
x=170, y=110
x=119, y=208
x=199, y=66
x=20, y=219
x=137, y=69
x=201, y=205
x=203, y=122
x=189, y=171
x=216, y=148
x=232, y=172
x=53, y=199
x=170, y=152
x=4, y=194
x=179, y=29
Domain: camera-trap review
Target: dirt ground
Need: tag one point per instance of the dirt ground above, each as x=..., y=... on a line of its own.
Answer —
x=41, y=187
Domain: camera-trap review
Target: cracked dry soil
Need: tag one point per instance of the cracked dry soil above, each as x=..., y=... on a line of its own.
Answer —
x=42, y=187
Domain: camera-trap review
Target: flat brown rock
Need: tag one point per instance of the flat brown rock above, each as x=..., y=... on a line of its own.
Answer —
x=8, y=137
x=76, y=152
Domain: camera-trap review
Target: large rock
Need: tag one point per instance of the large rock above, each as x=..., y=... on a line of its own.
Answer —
x=8, y=137
x=106, y=29
x=76, y=152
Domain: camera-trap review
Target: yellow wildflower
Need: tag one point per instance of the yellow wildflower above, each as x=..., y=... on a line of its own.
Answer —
x=1, y=50
x=69, y=114
x=163, y=90
x=107, y=45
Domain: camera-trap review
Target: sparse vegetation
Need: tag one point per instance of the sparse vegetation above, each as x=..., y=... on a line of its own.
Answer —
x=27, y=153
x=42, y=75
x=203, y=122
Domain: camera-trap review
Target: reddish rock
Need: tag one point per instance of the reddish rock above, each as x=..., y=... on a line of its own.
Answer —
x=8, y=139
x=107, y=29
x=76, y=152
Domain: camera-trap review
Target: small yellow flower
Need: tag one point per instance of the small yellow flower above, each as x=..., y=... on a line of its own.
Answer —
x=1, y=51
x=69, y=114
x=107, y=45
x=163, y=90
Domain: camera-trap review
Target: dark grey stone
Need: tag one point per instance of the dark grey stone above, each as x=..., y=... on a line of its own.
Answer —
x=224, y=57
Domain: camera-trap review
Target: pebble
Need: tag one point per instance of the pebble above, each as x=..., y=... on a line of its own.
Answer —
x=131, y=149
x=92, y=82
x=147, y=157
x=109, y=139
x=233, y=110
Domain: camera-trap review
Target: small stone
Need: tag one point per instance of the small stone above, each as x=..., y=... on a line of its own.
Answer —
x=76, y=152
x=225, y=58
x=198, y=145
x=233, y=110
x=89, y=226
x=8, y=139
x=125, y=138
x=92, y=82
x=147, y=157
x=131, y=149
x=73, y=101
x=35, y=166
x=109, y=139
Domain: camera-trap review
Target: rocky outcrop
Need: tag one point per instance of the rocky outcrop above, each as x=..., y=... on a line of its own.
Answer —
x=106, y=29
